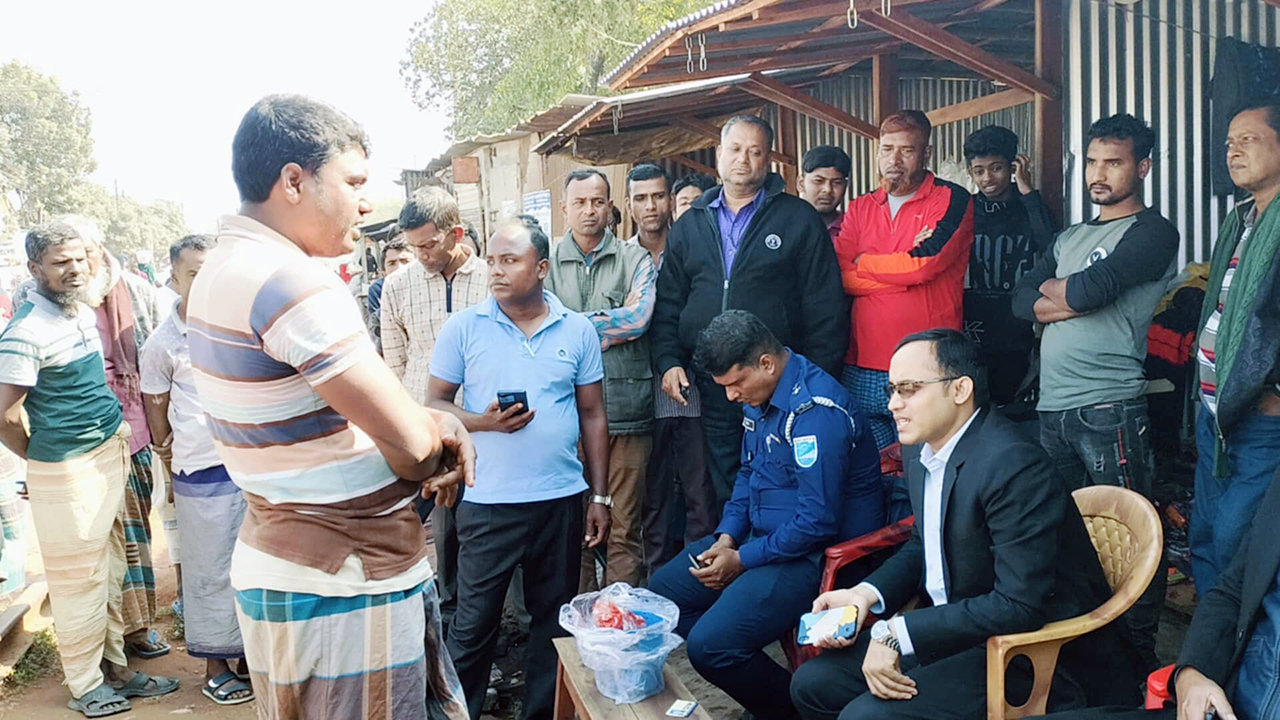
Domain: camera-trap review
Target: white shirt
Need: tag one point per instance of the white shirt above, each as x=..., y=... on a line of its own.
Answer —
x=165, y=367
x=935, y=465
x=897, y=201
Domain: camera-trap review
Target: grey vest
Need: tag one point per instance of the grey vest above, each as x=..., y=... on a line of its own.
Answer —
x=628, y=371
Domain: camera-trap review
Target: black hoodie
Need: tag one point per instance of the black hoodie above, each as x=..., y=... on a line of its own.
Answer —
x=785, y=272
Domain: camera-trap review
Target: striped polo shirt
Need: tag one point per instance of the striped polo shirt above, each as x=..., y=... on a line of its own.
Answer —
x=59, y=356
x=266, y=324
x=1209, y=336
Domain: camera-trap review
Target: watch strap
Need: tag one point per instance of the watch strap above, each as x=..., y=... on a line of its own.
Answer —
x=605, y=500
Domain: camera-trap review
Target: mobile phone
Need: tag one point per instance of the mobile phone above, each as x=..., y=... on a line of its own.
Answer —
x=684, y=391
x=697, y=564
x=507, y=398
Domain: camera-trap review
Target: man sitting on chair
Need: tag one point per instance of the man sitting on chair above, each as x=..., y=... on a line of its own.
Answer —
x=998, y=548
x=810, y=478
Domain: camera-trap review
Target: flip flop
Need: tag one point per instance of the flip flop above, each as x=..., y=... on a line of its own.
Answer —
x=162, y=647
x=220, y=689
x=100, y=702
x=138, y=686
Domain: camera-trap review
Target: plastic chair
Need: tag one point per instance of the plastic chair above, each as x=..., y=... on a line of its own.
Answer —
x=1158, y=688
x=1129, y=540
x=875, y=545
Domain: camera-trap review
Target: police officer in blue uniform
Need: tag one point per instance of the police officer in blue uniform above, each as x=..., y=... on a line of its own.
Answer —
x=810, y=478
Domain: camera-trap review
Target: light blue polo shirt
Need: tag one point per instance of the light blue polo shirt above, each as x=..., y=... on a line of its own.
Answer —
x=482, y=350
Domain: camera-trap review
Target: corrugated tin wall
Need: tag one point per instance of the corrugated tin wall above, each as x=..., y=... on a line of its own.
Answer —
x=1154, y=59
x=853, y=94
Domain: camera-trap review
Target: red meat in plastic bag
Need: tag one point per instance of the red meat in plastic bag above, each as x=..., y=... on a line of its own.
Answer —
x=607, y=615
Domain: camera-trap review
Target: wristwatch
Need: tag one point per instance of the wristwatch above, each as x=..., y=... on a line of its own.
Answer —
x=881, y=633
x=605, y=500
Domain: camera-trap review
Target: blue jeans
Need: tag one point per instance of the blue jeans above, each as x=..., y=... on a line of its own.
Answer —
x=866, y=386
x=727, y=630
x=1224, y=506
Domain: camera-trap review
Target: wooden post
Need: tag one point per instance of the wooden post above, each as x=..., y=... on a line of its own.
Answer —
x=1049, y=140
x=884, y=86
x=788, y=142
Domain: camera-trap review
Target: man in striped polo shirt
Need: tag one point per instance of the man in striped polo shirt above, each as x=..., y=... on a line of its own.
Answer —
x=336, y=598
x=1238, y=430
x=77, y=450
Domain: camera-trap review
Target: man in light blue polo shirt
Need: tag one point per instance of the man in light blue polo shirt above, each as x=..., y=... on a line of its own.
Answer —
x=526, y=508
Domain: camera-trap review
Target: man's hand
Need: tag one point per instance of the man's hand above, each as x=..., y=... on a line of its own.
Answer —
x=721, y=565
x=673, y=381
x=1269, y=403
x=1022, y=174
x=884, y=679
x=457, y=460
x=598, y=522
x=505, y=421
x=1197, y=694
x=164, y=451
x=924, y=234
x=856, y=597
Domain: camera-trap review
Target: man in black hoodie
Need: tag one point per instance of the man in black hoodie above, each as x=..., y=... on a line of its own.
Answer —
x=1011, y=225
x=745, y=245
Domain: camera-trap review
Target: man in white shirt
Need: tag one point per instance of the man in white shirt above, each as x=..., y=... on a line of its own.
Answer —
x=998, y=547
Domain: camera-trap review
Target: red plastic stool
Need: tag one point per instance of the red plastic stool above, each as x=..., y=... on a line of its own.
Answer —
x=1158, y=688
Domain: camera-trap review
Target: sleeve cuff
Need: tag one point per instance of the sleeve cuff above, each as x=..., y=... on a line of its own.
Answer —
x=734, y=529
x=899, y=625
x=752, y=554
x=878, y=608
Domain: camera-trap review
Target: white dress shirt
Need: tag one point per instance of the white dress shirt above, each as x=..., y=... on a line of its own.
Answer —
x=935, y=465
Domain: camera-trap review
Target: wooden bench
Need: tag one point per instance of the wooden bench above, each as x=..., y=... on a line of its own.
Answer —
x=576, y=692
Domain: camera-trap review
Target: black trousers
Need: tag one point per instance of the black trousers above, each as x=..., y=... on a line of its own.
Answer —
x=679, y=453
x=832, y=686
x=444, y=533
x=722, y=431
x=1116, y=713
x=546, y=538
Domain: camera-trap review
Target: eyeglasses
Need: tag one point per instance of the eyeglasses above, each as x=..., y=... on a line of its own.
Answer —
x=907, y=388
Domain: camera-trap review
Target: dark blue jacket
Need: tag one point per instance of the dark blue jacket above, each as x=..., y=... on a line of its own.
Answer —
x=801, y=491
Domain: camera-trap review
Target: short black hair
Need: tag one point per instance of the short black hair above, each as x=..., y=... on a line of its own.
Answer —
x=40, y=239
x=1125, y=127
x=283, y=129
x=200, y=243
x=647, y=171
x=956, y=356
x=824, y=156
x=991, y=141
x=702, y=181
x=734, y=337
x=541, y=243
x=757, y=122
x=1270, y=105
x=429, y=204
x=587, y=174
x=387, y=247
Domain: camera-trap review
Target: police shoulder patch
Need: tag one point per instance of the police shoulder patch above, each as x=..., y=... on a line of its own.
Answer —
x=806, y=450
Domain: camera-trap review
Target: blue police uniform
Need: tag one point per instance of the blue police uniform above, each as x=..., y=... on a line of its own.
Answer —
x=810, y=478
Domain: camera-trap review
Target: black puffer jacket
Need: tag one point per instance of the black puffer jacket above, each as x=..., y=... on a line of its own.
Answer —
x=785, y=272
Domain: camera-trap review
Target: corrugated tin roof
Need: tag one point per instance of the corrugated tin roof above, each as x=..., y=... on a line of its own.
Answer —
x=666, y=31
x=545, y=121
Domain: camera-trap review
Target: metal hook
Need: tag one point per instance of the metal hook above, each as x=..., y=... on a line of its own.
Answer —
x=702, y=52
x=886, y=7
x=617, y=115
x=688, y=47
x=851, y=16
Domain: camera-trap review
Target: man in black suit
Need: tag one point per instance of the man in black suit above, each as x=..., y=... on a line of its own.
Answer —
x=1231, y=652
x=998, y=547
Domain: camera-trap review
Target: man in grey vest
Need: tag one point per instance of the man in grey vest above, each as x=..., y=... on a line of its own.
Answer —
x=1094, y=291
x=613, y=284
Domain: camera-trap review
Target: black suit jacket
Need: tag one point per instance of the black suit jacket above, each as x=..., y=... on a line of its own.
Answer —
x=1226, y=616
x=1016, y=555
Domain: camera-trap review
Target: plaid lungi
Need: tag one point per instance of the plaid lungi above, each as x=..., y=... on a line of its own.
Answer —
x=369, y=657
x=866, y=386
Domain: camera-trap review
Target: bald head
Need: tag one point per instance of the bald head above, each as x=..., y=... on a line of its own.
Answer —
x=518, y=264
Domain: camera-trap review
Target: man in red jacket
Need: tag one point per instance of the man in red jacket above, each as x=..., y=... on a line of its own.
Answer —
x=903, y=251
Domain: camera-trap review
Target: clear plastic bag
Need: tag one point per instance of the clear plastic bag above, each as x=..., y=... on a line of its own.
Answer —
x=628, y=652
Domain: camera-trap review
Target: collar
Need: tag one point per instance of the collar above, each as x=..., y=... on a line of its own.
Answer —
x=35, y=297
x=608, y=246
x=177, y=319
x=773, y=185
x=242, y=227
x=881, y=196
x=932, y=460
x=719, y=204
x=555, y=311
x=837, y=223
x=789, y=383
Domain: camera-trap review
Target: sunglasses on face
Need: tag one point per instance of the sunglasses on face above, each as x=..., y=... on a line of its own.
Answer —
x=907, y=388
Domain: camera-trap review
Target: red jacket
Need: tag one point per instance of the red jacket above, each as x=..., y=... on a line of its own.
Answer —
x=898, y=288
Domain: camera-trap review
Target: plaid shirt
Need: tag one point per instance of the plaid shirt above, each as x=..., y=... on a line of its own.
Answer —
x=415, y=305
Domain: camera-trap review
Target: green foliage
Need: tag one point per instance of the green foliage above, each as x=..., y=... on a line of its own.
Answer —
x=492, y=63
x=45, y=146
x=39, y=661
x=129, y=225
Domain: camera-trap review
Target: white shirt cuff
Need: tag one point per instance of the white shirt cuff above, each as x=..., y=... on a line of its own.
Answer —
x=899, y=625
x=878, y=608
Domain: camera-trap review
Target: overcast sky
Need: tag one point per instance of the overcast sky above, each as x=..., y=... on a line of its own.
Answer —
x=167, y=83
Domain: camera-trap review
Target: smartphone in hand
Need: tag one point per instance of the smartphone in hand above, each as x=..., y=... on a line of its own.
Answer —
x=697, y=564
x=507, y=398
